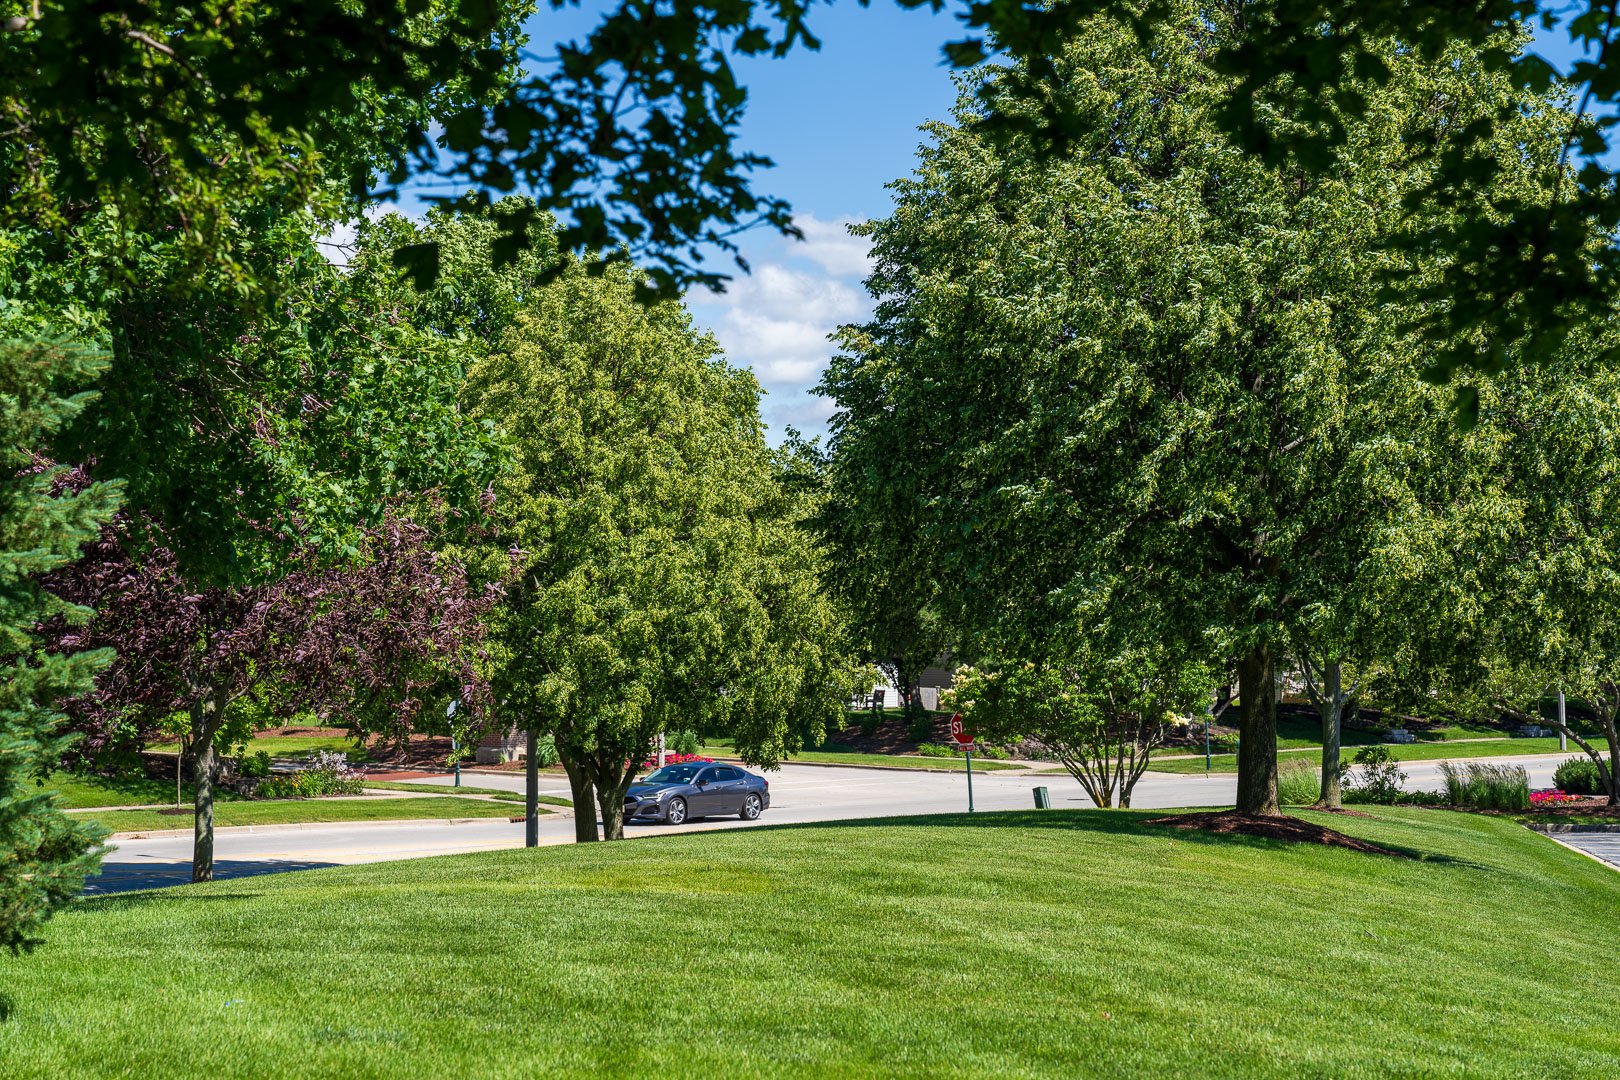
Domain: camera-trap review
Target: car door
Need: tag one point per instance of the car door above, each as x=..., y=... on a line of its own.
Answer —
x=706, y=794
x=731, y=783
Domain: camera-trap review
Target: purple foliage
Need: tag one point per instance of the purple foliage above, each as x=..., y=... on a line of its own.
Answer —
x=360, y=642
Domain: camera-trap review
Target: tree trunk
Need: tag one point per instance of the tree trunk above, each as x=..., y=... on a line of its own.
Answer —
x=205, y=720
x=1330, y=705
x=202, y=844
x=613, y=778
x=1257, y=727
x=584, y=796
x=611, y=800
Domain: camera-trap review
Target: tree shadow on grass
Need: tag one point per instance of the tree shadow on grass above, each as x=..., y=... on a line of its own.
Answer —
x=123, y=877
x=1112, y=822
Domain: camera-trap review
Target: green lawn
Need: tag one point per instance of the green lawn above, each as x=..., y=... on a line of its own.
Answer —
x=494, y=793
x=837, y=757
x=291, y=746
x=1297, y=733
x=1434, y=751
x=291, y=811
x=1065, y=943
x=79, y=790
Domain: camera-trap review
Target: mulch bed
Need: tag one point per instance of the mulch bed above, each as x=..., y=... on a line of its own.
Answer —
x=1597, y=806
x=1294, y=830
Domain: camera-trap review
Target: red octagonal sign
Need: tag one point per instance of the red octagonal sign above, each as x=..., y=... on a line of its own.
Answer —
x=958, y=732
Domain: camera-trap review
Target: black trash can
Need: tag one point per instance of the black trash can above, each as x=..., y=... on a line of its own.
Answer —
x=1043, y=801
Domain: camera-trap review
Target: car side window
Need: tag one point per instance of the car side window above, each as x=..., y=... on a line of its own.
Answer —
x=707, y=776
x=726, y=772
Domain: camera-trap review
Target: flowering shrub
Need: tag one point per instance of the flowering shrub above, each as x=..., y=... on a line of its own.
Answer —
x=329, y=773
x=1552, y=797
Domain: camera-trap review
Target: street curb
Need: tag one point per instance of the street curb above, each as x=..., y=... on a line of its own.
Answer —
x=299, y=826
x=1548, y=829
x=1605, y=863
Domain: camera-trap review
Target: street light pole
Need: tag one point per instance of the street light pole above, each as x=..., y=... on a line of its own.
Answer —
x=1563, y=736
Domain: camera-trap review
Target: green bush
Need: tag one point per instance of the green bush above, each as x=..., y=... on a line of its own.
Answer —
x=1223, y=744
x=545, y=751
x=1487, y=787
x=1299, y=783
x=920, y=726
x=1376, y=778
x=1579, y=776
x=870, y=722
x=328, y=774
x=684, y=742
x=308, y=784
x=929, y=749
x=254, y=764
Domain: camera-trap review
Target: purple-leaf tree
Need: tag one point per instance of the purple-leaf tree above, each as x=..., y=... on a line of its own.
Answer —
x=364, y=639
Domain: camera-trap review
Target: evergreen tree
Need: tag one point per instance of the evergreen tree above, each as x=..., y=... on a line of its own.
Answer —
x=44, y=520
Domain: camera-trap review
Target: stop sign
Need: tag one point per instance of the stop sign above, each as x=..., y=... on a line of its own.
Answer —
x=958, y=732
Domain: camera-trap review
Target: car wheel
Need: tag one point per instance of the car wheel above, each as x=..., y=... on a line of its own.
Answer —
x=676, y=812
x=752, y=808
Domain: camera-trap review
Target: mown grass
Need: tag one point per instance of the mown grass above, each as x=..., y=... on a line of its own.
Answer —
x=1435, y=751
x=302, y=811
x=1065, y=943
x=1296, y=732
x=446, y=789
x=77, y=791
x=291, y=746
x=895, y=761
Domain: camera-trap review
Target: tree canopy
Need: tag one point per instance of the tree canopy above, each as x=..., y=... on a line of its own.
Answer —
x=1155, y=381
x=662, y=580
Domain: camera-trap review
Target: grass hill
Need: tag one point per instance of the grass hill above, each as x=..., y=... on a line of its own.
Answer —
x=1066, y=943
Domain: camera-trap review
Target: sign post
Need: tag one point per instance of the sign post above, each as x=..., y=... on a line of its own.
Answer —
x=455, y=743
x=964, y=743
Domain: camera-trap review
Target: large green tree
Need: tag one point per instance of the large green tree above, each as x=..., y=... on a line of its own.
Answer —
x=1157, y=375
x=44, y=521
x=661, y=578
x=630, y=130
x=1523, y=596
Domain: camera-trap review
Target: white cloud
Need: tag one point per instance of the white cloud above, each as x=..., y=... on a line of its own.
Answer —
x=829, y=245
x=777, y=321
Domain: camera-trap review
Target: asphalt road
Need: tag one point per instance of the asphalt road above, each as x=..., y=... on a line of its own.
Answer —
x=799, y=793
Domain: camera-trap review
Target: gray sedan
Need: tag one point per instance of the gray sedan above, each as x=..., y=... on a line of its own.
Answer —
x=696, y=789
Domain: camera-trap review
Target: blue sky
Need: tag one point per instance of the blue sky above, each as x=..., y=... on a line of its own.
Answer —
x=840, y=124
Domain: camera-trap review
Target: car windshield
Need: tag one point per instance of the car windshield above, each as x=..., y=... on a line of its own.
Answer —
x=672, y=774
